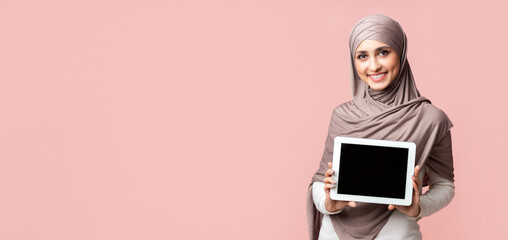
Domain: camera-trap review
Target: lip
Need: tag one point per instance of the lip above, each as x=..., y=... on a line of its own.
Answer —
x=377, y=79
x=377, y=73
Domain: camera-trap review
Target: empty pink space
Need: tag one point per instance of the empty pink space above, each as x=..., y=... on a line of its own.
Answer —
x=206, y=119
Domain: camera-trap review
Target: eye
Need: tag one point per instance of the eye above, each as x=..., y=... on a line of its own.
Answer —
x=384, y=53
x=361, y=56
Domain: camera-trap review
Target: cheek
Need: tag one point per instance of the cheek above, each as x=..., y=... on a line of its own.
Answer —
x=393, y=65
x=396, y=68
x=396, y=71
x=360, y=69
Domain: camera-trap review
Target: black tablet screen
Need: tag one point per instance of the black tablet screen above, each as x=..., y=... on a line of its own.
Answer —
x=372, y=171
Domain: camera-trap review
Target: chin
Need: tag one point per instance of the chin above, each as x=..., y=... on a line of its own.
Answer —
x=378, y=87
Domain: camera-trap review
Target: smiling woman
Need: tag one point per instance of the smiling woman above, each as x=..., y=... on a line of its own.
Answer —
x=386, y=105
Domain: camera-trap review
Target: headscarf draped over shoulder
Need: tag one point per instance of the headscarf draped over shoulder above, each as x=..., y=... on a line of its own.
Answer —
x=397, y=113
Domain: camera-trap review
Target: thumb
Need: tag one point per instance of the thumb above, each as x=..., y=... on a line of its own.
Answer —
x=329, y=164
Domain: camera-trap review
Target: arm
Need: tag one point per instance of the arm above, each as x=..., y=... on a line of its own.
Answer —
x=441, y=187
x=325, y=204
x=440, y=194
x=319, y=196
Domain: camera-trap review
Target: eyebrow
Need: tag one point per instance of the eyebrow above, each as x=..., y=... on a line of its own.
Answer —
x=377, y=49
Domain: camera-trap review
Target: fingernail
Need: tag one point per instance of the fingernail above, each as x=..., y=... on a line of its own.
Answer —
x=333, y=181
x=332, y=172
x=333, y=185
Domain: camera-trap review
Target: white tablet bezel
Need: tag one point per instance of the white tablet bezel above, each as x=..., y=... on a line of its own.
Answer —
x=374, y=142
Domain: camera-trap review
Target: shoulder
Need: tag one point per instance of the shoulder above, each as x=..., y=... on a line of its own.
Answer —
x=347, y=109
x=343, y=113
x=433, y=115
x=343, y=106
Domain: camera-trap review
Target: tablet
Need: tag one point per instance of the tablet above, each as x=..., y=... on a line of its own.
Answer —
x=373, y=171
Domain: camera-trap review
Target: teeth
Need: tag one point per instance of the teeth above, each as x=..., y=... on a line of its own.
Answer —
x=376, y=76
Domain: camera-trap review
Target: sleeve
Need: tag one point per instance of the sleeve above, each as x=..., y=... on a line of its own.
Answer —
x=440, y=159
x=440, y=194
x=319, y=196
x=440, y=178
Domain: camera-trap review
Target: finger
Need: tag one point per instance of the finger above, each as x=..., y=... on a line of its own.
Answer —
x=416, y=180
x=391, y=207
x=329, y=173
x=351, y=204
x=329, y=180
x=416, y=189
x=417, y=170
x=327, y=191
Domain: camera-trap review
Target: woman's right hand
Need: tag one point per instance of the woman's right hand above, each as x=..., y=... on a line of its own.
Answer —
x=330, y=204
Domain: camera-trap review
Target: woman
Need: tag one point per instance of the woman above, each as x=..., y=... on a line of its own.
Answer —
x=386, y=105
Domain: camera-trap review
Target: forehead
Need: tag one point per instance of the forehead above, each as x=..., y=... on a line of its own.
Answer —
x=370, y=45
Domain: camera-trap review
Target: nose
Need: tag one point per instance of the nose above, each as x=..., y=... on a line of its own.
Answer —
x=374, y=65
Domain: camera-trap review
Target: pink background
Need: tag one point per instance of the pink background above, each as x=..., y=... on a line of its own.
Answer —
x=206, y=119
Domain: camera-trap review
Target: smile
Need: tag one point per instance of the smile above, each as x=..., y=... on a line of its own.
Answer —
x=377, y=78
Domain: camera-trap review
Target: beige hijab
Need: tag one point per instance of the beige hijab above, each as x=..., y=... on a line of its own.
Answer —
x=396, y=113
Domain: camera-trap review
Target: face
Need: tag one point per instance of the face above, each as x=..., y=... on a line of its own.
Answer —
x=377, y=64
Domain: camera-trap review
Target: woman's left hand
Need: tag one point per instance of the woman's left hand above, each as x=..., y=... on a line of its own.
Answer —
x=412, y=210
